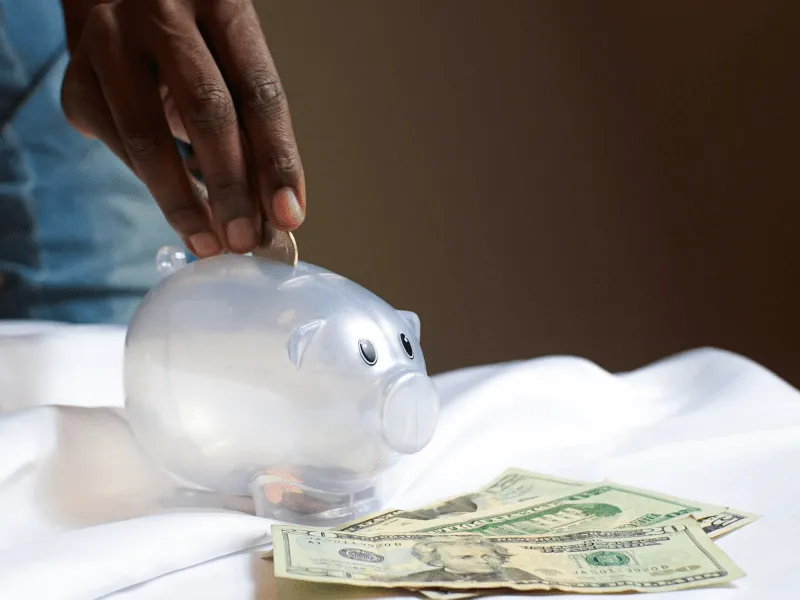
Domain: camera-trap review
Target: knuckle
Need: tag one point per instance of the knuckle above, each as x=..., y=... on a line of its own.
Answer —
x=170, y=10
x=141, y=148
x=286, y=162
x=211, y=107
x=230, y=10
x=165, y=17
x=284, y=158
x=100, y=25
x=227, y=190
x=162, y=19
x=263, y=93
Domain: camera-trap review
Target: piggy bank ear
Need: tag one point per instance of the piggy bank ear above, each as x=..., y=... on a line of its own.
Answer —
x=300, y=340
x=413, y=321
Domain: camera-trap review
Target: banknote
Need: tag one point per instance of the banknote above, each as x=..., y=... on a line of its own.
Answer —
x=726, y=521
x=518, y=485
x=449, y=595
x=511, y=487
x=668, y=557
x=606, y=505
x=713, y=526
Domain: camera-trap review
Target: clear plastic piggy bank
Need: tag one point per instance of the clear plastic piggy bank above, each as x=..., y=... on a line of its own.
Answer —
x=291, y=384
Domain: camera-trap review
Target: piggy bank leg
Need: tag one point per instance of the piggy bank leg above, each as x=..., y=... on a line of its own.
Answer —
x=284, y=498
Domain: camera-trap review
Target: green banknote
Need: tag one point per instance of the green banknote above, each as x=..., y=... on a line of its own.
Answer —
x=728, y=520
x=519, y=487
x=599, y=506
x=668, y=557
x=516, y=486
x=713, y=526
x=511, y=487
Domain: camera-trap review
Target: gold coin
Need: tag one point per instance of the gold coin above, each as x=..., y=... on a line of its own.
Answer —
x=278, y=245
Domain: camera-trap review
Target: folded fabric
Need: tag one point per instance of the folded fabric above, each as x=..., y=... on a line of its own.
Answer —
x=84, y=514
x=45, y=364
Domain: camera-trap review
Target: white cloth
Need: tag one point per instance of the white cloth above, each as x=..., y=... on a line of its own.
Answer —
x=84, y=515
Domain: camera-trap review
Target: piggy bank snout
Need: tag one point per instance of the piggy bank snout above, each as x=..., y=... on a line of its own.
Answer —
x=410, y=412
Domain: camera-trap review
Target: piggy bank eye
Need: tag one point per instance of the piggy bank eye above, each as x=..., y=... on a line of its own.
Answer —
x=407, y=345
x=368, y=353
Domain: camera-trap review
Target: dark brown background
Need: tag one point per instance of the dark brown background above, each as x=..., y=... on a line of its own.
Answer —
x=616, y=180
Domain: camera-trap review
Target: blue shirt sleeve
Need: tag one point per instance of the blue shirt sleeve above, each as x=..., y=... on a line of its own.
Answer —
x=78, y=231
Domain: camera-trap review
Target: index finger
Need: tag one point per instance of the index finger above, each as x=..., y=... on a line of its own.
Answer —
x=235, y=33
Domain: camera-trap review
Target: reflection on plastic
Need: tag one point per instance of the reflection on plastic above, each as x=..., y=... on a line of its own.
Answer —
x=292, y=385
x=169, y=259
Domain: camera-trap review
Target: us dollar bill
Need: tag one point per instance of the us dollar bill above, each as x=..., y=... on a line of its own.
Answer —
x=511, y=487
x=726, y=521
x=517, y=487
x=669, y=557
x=449, y=595
x=598, y=506
x=713, y=526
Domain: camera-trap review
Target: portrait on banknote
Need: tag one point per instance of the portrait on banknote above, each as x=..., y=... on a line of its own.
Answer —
x=466, y=559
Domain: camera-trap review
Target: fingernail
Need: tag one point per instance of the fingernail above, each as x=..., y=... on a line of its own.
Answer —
x=204, y=244
x=241, y=234
x=286, y=208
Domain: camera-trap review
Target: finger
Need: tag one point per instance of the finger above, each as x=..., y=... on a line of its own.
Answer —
x=135, y=105
x=209, y=116
x=234, y=31
x=85, y=106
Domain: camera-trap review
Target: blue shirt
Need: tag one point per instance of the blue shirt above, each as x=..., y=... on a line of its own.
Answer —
x=78, y=231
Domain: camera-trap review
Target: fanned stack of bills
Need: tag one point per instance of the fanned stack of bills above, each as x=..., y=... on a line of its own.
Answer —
x=527, y=532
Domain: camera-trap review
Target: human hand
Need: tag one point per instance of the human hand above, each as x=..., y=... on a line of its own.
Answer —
x=144, y=72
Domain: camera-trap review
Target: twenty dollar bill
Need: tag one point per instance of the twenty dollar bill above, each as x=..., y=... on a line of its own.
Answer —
x=663, y=558
x=523, y=488
x=599, y=506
